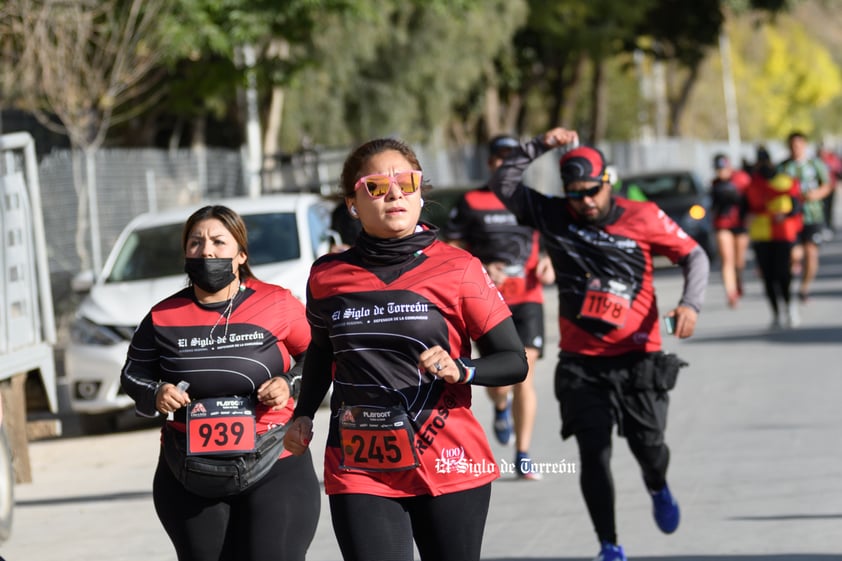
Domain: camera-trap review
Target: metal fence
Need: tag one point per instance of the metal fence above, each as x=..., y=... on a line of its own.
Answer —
x=130, y=182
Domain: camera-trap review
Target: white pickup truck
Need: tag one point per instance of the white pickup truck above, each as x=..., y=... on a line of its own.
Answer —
x=27, y=323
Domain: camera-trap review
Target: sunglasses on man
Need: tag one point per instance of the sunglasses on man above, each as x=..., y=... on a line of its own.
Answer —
x=378, y=184
x=582, y=193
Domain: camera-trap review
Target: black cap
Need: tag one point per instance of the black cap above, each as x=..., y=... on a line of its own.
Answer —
x=502, y=143
x=721, y=161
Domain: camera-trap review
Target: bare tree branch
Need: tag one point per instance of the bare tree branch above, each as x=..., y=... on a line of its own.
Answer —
x=89, y=64
x=85, y=61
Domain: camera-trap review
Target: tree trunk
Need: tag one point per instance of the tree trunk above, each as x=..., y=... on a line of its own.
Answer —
x=598, y=108
x=573, y=92
x=491, y=111
x=273, y=126
x=198, y=138
x=278, y=48
x=512, y=113
x=81, y=211
x=93, y=206
x=559, y=99
x=678, y=104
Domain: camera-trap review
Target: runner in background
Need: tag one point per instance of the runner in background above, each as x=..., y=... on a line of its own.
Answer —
x=814, y=179
x=728, y=208
x=481, y=224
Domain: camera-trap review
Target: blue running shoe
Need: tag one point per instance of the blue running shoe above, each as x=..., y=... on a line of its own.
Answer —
x=524, y=468
x=610, y=552
x=503, y=424
x=665, y=510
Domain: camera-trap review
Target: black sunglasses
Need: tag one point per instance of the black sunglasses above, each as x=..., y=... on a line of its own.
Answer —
x=581, y=194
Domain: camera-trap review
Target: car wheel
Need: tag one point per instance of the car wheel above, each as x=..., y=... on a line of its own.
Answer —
x=7, y=487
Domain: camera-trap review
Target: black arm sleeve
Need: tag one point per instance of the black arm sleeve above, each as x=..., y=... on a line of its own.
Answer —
x=316, y=374
x=293, y=375
x=503, y=358
x=140, y=377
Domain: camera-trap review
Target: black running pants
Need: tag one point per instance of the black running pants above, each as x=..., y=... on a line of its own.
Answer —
x=445, y=528
x=274, y=519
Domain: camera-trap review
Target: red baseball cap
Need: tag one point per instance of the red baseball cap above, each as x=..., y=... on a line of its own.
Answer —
x=585, y=163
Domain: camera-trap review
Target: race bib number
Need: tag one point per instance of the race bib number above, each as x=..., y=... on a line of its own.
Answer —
x=220, y=425
x=606, y=303
x=376, y=439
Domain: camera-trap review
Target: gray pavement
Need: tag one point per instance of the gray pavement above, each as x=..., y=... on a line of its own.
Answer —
x=754, y=430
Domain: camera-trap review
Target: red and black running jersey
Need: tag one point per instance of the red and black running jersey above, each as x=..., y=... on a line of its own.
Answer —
x=603, y=270
x=379, y=318
x=491, y=232
x=219, y=354
x=728, y=196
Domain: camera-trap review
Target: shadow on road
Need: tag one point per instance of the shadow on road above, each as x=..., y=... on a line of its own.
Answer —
x=776, y=517
x=722, y=557
x=107, y=497
x=797, y=336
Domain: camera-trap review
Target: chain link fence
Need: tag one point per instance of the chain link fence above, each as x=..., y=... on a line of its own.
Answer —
x=132, y=181
x=128, y=183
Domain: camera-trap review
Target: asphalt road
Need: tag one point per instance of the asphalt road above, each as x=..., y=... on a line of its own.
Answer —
x=754, y=431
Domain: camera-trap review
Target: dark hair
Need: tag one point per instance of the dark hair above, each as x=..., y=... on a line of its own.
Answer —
x=721, y=161
x=763, y=155
x=232, y=221
x=360, y=156
x=764, y=166
x=796, y=134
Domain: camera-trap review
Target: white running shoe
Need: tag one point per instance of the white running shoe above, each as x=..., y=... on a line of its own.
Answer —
x=793, y=317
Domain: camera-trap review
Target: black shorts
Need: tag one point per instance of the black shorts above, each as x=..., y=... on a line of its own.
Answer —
x=595, y=392
x=529, y=322
x=736, y=230
x=811, y=233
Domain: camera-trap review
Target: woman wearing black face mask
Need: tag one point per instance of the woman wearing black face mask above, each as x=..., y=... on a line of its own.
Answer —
x=232, y=339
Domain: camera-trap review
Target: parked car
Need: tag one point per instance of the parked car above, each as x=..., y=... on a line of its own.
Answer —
x=683, y=197
x=287, y=232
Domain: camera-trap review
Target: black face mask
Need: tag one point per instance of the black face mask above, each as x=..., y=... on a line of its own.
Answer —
x=211, y=275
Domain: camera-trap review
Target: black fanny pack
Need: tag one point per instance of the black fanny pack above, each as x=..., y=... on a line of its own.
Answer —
x=214, y=477
x=657, y=371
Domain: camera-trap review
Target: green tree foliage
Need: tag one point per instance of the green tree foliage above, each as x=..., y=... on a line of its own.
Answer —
x=203, y=38
x=565, y=43
x=394, y=68
x=679, y=34
x=784, y=76
x=346, y=70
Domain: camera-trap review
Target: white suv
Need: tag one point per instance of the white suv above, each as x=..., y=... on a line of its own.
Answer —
x=287, y=232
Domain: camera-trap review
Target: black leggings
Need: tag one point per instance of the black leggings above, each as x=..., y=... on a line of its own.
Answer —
x=445, y=528
x=274, y=519
x=773, y=258
x=596, y=481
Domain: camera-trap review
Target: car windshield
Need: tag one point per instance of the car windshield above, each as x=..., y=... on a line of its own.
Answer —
x=663, y=187
x=156, y=252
